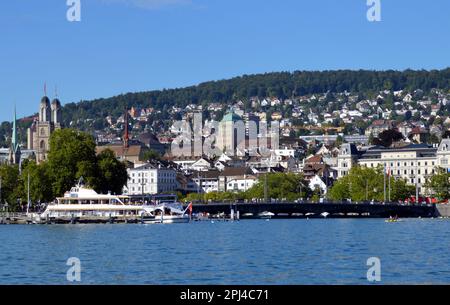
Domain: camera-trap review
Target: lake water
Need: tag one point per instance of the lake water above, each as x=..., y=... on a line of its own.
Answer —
x=322, y=251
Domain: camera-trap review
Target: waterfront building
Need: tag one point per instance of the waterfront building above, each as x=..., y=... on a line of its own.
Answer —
x=234, y=175
x=205, y=181
x=317, y=183
x=40, y=131
x=151, y=179
x=413, y=162
x=241, y=183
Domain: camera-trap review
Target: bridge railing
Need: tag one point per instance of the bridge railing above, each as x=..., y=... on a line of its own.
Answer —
x=306, y=202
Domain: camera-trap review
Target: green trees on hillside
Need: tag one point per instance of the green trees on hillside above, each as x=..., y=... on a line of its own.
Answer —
x=90, y=115
x=282, y=85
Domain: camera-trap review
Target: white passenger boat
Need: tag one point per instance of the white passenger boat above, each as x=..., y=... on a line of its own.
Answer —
x=84, y=205
x=166, y=213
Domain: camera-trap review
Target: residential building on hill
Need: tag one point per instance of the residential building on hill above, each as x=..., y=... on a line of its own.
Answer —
x=131, y=153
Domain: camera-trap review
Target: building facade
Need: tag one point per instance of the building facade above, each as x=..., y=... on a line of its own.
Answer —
x=40, y=131
x=413, y=162
x=231, y=132
x=150, y=179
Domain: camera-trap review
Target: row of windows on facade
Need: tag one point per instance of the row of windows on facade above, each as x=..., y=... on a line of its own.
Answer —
x=399, y=164
x=411, y=180
x=148, y=189
x=152, y=180
x=236, y=185
x=153, y=174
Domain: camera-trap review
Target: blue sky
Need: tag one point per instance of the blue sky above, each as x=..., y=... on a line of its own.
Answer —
x=125, y=46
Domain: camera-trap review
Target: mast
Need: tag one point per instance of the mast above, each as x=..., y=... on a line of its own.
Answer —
x=384, y=181
x=389, y=176
x=266, y=199
x=28, y=193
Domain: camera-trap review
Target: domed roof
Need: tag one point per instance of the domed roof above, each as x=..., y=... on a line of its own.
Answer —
x=45, y=100
x=231, y=117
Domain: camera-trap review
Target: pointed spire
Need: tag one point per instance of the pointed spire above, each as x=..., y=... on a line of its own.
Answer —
x=14, y=132
x=45, y=88
x=126, y=135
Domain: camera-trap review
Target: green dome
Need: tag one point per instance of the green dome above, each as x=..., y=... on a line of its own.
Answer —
x=231, y=117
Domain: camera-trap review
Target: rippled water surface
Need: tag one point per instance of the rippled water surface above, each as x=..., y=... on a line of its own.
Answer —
x=245, y=252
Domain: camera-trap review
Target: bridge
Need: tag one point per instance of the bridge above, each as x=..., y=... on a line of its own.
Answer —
x=314, y=210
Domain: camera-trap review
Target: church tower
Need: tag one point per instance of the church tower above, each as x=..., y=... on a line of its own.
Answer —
x=14, y=151
x=39, y=133
x=56, y=113
x=44, y=110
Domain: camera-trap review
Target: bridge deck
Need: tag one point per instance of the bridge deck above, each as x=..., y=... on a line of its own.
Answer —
x=300, y=210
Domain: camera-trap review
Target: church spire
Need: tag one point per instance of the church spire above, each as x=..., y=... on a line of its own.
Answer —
x=14, y=151
x=126, y=135
x=14, y=132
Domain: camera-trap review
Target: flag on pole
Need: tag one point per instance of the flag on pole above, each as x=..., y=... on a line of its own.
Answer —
x=190, y=208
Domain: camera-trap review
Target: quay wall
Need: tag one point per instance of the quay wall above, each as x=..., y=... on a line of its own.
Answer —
x=443, y=210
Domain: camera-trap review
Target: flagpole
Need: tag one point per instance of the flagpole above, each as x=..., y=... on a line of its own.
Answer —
x=28, y=193
x=384, y=181
x=389, y=177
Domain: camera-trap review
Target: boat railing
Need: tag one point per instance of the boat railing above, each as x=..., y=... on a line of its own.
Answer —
x=12, y=214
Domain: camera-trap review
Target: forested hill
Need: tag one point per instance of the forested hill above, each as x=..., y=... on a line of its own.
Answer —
x=281, y=85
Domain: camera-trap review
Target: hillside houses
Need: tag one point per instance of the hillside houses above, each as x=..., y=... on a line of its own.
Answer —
x=310, y=125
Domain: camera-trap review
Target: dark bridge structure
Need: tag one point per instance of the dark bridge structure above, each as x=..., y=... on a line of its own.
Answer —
x=318, y=210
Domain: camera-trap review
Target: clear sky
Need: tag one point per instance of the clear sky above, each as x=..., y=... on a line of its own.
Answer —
x=125, y=46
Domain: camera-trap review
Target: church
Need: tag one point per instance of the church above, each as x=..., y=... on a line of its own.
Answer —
x=39, y=133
